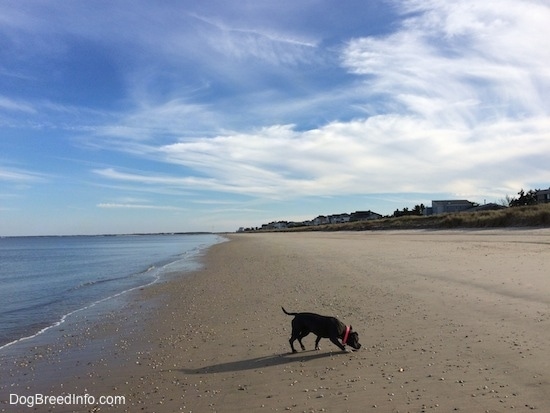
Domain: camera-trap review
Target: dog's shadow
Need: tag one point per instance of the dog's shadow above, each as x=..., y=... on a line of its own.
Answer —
x=258, y=362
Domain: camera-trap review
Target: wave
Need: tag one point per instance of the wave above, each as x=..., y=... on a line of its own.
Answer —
x=64, y=297
x=69, y=314
x=182, y=262
x=32, y=306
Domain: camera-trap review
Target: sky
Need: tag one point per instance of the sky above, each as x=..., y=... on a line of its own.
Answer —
x=169, y=116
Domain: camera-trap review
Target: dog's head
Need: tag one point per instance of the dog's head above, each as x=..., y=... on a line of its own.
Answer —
x=353, y=339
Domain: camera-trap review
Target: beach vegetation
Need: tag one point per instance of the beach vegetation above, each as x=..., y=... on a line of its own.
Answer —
x=524, y=198
x=418, y=210
x=537, y=215
x=529, y=209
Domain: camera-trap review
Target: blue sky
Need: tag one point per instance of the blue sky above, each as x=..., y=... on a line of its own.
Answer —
x=139, y=116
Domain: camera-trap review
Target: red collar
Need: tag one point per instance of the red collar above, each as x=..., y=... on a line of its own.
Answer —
x=346, y=335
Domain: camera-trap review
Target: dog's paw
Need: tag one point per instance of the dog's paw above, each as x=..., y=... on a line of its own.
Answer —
x=317, y=348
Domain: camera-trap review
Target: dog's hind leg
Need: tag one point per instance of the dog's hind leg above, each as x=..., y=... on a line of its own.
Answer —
x=300, y=337
x=291, y=341
x=300, y=341
x=297, y=336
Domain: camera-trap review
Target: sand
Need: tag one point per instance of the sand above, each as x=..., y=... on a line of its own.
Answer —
x=449, y=321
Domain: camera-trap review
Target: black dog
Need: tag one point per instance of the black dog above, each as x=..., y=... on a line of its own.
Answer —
x=322, y=327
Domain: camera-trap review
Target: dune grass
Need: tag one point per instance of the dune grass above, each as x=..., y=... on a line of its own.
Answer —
x=525, y=216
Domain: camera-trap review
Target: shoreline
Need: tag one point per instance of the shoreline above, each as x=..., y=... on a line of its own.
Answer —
x=448, y=320
x=40, y=337
x=156, y=271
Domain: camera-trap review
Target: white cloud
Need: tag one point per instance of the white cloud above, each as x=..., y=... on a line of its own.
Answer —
x=150, y=121
x=139, y=206
x=491, y=55
x=470, y=77
x=147, y=178
x=458, y=105
x=277, y=108
x=17, y=175
x=244, y=42
x=387, y=153
x=14, y=105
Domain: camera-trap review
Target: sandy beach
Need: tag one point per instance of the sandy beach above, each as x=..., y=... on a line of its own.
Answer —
x=448, y=320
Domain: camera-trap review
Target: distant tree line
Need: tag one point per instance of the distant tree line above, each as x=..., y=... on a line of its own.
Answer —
x=524, y=198
x=417, y=210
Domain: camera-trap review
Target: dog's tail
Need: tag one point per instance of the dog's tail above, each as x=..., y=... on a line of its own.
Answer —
x=287, y=313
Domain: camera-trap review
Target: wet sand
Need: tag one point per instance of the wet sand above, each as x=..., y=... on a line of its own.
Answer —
x=449, y=321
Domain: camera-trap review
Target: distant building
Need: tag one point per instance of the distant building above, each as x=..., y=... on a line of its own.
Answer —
x=339, y=218
x=543, y=195
x=321, y=220
x=448, y=206
x=364, y=216
x=280, y=225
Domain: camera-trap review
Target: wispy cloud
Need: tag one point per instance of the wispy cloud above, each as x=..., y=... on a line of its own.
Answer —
x=471, y=78
x=380, y=154
x=269, y=46
x=17, y=175
x=451, y=110
x=247, y=103
x=151, y=178
x=258, y=29
x=14, y=105
x=140, y=206
x=463, y=62
x=169, y=119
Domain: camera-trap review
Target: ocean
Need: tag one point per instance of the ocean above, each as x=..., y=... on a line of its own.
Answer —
x=45, y=280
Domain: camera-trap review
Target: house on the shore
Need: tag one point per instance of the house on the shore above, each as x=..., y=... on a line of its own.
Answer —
x=275, y=225
x=339, y=218
x=543, y=196
x=364, y=216
x=449, y=206
x=321, y=220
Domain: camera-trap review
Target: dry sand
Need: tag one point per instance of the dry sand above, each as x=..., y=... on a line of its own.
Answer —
x=449, y=321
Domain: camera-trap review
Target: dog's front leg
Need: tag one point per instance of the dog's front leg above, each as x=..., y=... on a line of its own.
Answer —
x=317, y=343
x=337, y=343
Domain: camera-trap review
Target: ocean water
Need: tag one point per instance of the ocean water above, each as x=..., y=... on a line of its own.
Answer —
x=44, y=280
